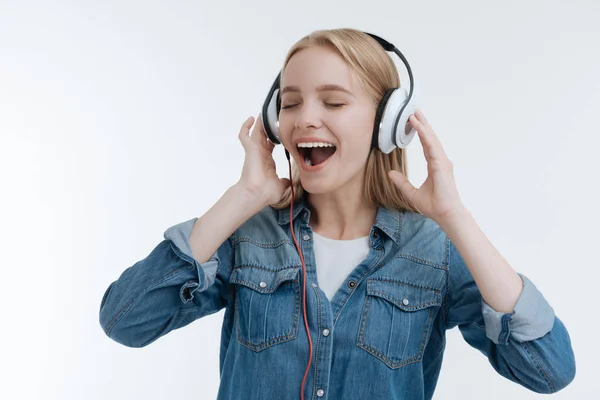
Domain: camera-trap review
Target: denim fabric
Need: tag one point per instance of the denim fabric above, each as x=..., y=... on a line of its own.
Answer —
x=382, y=335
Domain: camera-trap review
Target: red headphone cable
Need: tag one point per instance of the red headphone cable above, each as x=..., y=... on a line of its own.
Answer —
x=287, y=154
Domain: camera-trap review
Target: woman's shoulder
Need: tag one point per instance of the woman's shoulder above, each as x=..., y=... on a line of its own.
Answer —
x=409, y=225
x=421, y=238
x=266, y=226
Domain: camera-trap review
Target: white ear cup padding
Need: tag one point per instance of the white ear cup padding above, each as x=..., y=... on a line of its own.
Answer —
x=387, y=133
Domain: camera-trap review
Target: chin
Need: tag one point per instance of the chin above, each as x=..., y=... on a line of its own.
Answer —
x=318, y=186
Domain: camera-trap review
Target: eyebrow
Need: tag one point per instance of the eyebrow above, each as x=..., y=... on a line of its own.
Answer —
x=322, y=88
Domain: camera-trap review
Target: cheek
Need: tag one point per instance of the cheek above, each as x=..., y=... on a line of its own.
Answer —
x=365, y=132
x=359, y=134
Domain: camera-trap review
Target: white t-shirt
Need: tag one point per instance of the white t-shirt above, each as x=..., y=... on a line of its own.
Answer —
x=335, y=259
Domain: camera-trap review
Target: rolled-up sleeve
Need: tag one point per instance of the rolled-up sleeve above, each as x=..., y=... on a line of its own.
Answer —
x=530, y=346
x=532, y=318
x=179, y=235
x=166, y=290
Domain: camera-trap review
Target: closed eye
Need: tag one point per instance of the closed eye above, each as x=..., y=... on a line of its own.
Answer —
x=338, y=105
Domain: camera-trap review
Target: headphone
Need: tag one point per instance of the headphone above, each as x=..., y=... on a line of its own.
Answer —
x=391, y=128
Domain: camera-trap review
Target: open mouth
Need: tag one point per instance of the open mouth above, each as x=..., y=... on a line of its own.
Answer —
x=315, y=154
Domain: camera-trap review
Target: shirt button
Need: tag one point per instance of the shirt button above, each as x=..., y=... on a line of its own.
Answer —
x=351, y=284
x=306, y=237
x=405, y=302
x=320, y=392
x=325, y=332
x=263, y=284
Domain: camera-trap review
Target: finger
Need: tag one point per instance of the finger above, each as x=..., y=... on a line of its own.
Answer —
x=260, y=135
x=420, y=116
x=425, y=140
x=269, y=146
x=258, y=132
x=423, y=120
x=432, y=147
x=243, y=136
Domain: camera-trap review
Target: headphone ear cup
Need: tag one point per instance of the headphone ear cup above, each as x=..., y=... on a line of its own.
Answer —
x=405, y=132
x=270, y=113
x=376, y=140
x=278, y=104
x=395, y=129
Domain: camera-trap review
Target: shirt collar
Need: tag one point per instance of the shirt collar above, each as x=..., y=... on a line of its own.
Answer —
x=387, y=220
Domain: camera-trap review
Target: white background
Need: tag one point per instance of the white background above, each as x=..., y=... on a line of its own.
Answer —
x=119, y=119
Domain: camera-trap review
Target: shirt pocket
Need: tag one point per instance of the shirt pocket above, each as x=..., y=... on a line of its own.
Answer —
x=267, y=305
x=396, y=320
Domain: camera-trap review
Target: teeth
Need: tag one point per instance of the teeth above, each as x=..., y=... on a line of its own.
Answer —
x=315, y=144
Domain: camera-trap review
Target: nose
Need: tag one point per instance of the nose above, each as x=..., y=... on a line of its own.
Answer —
x=308, y=116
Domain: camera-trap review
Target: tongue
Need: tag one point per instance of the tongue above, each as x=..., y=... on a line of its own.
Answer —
x=320, y=154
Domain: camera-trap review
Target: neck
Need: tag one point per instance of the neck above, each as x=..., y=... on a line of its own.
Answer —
x=341, y=216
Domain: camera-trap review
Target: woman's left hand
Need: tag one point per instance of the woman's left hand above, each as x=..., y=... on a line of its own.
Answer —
x=437, y=198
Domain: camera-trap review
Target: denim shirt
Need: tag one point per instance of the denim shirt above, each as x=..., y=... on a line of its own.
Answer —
x=382, y=335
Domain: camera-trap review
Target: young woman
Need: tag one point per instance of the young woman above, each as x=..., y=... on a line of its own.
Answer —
x=374, y=269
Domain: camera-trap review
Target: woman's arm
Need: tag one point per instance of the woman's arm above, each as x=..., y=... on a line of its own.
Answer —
x=165, y=291
x=152, y=297
x=528, y=345
x=499, y=284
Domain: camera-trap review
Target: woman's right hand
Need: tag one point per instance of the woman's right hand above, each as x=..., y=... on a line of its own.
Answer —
x=259, y=176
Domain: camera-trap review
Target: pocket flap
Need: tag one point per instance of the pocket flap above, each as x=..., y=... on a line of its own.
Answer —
x=404, y=295
x=262, y=279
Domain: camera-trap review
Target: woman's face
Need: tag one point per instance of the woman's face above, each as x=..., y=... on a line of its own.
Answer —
x=322, y=101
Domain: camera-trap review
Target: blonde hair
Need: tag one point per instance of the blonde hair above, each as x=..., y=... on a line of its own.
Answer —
x=376, y=71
